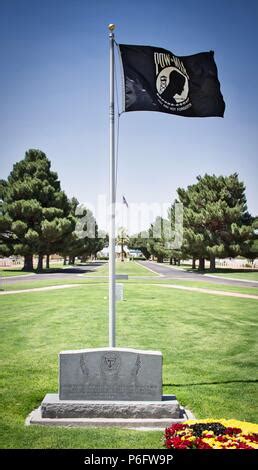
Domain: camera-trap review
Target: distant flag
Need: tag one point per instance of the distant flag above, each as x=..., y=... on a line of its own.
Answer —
x=125, y=202
x=157, y=80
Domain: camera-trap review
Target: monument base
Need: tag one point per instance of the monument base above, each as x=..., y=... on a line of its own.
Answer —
x=53, y=407
x=131, y=414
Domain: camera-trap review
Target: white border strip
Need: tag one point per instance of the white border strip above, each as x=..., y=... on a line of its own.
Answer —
x=230, y=278
x=122, y=76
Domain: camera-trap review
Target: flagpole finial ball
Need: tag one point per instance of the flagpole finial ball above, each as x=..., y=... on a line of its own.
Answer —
x=111, y=27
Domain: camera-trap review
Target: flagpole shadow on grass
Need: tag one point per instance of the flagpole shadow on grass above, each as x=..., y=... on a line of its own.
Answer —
x=223, y=382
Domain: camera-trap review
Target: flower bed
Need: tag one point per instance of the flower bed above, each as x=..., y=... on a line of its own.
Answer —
x=212, y=434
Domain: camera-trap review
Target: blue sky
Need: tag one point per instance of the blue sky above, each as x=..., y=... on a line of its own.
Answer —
x=54, y=94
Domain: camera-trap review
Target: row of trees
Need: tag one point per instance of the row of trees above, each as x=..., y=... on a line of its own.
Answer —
x=36, y=216
x=216, y=224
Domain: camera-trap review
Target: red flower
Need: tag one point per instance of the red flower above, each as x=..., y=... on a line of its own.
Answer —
x=188, y=443
x=242, y=445
x=222, y=439
x=176, y=442
x=232, y=431
x=232, y=444
x=183, y=445
x=176, y=427
x=200, y=444
x=251, y=437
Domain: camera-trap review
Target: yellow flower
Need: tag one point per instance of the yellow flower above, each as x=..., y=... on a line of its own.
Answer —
x=207, y=432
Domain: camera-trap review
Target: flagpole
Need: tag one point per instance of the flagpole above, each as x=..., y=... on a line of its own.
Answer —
x=112, y=197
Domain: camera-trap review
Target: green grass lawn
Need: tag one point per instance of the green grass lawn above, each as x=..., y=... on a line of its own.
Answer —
x=33, y=283
x=17, y=270
x=248, y=275
x=208, y=343
x=7, y=272
x=211, y=286
x=131, y=268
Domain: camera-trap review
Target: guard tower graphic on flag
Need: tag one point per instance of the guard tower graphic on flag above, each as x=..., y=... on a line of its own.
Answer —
x=163, y=83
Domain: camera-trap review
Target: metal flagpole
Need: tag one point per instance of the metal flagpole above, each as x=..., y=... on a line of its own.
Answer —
x=112, y=197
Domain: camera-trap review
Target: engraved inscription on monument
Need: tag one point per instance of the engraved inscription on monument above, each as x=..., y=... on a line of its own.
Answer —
x=110, y=374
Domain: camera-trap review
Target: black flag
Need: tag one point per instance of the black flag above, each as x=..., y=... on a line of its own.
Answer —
x=157, y=80
x=125, y=202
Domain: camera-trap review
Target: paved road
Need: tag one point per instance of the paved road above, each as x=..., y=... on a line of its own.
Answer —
x=168, y=272
x=66, y=274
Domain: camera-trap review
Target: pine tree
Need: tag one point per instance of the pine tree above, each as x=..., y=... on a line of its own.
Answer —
x=85, y=241
x=250, y=248
x=158, y=242
x=37, y=207
x=6, y=237
x=216, y=220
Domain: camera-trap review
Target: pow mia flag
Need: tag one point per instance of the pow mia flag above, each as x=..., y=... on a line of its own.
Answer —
x=157, y=80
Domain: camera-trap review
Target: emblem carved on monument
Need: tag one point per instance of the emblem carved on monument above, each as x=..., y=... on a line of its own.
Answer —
x=110, y=363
